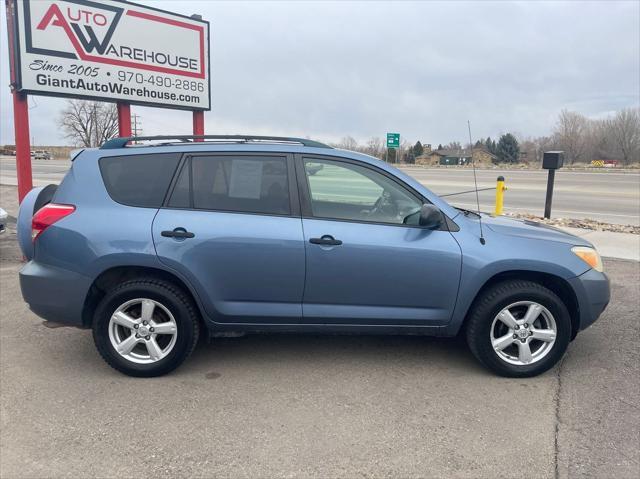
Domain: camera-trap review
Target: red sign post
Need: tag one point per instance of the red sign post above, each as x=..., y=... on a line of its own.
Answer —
x=124, y=120
x=198, y=123
x=104, y=50
x=20, y=118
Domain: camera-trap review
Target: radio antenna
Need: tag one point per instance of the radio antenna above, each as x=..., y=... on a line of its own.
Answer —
x=475, y=181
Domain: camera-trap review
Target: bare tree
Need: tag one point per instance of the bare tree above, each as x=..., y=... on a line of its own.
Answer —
x=375, y=147
x=89, y=123
x=405, y=146
x=542, y=144
x=570, y=134
x=626, y=130
x=528, y=147
x=600, y=143
x=348, y=143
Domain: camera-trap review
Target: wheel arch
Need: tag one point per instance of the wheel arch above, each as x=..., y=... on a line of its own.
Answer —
x=556, y=284
x=118, y=274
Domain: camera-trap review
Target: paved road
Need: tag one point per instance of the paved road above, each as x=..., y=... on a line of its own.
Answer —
x=313, y=406
x=605, y=196
x=44, y=171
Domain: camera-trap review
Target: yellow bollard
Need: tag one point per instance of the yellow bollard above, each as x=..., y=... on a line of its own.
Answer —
x=500, y=189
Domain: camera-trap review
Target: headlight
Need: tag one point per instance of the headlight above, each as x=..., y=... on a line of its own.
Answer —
x=589, y=256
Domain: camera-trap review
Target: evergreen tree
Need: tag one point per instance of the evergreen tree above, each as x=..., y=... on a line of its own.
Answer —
x=418, y=149
x=489, y=145
x=508, y=150
x=440, y=146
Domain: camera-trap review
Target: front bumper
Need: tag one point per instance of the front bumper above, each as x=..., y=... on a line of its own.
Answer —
x=593, y=293
x=53, y=293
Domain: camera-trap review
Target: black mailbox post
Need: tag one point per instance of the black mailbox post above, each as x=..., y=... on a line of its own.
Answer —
x=551, y=160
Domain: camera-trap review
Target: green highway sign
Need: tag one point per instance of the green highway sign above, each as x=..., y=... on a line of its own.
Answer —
x=393, y=140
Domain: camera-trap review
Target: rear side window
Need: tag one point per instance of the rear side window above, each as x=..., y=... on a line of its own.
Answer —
x=246, y=184
x=139, y=180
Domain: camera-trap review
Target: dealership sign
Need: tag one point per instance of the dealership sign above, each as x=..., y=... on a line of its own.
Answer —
x=112, y=51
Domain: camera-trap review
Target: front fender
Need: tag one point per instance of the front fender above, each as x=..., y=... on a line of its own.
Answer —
x=504, y=254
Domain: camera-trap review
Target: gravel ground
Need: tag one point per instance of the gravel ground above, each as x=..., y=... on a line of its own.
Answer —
x=588, y=224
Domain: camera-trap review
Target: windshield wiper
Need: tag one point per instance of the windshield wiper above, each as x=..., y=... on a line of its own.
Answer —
x=467, y=212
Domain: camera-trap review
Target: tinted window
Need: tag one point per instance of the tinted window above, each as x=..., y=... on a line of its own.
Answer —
x=251, y=184
x=346, y=191
x=139, y=180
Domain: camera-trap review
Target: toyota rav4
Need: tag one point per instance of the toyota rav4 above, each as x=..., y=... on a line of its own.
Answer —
x=151, y=246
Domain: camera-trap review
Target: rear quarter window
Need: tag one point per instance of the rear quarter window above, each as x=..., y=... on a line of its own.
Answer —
x=139, y=180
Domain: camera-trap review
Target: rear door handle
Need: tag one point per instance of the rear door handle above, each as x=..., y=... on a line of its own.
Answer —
x=177, y=233
x=326, y=240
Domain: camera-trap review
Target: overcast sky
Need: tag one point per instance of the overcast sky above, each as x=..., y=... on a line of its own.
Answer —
x=331, y=69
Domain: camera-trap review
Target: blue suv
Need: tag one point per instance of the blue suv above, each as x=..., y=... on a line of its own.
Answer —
x=154, y=245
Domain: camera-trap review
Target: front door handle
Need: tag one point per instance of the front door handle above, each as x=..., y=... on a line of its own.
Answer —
x=326, y=240
x=180, y=233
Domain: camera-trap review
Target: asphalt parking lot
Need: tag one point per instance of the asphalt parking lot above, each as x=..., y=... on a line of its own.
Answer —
x=314, y=406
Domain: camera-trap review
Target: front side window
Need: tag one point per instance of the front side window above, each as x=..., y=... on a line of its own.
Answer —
x=346, y=191
x=249, y=184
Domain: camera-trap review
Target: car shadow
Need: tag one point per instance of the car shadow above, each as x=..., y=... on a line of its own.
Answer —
x=336, y=351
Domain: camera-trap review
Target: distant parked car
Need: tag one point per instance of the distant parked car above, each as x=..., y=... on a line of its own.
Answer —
x=42, y=155
x=151, y=246
x=3, y=220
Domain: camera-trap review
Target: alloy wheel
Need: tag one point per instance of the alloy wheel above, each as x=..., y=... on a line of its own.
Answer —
x=143, y=331
x=523, y=333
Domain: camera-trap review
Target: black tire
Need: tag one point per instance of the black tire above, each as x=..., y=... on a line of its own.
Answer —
x=174, y=299
x=493, y=301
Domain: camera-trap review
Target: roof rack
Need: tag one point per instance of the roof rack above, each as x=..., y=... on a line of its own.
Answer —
x=115, y=143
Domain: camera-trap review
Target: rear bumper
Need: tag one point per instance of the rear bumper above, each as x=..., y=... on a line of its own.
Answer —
x=593, y=293
x=53, y=293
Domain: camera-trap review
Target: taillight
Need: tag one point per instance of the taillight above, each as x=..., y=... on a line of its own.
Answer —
x=47, y=215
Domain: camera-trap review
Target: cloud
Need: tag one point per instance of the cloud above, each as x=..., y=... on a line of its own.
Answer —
x=331, y=69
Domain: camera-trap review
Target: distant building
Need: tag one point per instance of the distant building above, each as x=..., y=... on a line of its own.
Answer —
x=482, y=155
x=460, y=156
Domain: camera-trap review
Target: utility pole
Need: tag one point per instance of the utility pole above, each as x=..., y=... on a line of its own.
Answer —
x=136, y=125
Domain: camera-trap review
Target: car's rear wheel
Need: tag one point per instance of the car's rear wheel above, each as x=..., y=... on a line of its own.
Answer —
x=518, y=328
x=145, y=327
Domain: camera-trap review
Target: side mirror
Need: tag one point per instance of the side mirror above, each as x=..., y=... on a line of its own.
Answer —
x=430, y=217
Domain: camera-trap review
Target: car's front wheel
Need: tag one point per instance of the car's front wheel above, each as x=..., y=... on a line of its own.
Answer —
x=518, y=328
x=145, y=327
